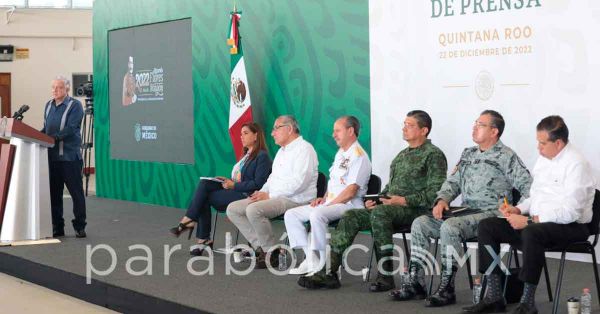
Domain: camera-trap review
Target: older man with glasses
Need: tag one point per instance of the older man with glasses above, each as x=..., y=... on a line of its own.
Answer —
x=292, y=183
x=485, y=173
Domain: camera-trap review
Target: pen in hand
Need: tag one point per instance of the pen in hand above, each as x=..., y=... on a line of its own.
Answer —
x=504, y=208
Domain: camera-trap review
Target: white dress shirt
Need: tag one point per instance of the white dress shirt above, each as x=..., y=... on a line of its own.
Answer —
x=349, y=167
x=563, y=189
x=294, y=173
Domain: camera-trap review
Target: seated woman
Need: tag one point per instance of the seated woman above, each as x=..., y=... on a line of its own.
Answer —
x=248, y=175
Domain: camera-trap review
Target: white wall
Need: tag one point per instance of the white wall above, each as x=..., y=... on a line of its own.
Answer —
x=411, y=69
x=59, y=42
x=558, y=73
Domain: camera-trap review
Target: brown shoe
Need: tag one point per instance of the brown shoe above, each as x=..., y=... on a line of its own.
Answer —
x=261, y=258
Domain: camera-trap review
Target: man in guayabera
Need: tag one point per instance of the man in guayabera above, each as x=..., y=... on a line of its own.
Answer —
x=416, y=174
x=485, y=174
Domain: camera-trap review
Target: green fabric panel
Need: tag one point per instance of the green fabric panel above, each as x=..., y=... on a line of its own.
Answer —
x=307, y=58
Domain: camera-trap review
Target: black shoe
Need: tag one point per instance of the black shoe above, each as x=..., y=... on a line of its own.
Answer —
x=201, y=247
x=409, y=292
x=80, y=233
x=523, y=308
x=382, y=283
x=177, y=231
x=442, y=297
x=58, y=232
x=486, y=307
x=320, y=280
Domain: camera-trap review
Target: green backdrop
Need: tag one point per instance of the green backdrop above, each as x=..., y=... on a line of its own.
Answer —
x=309, y=58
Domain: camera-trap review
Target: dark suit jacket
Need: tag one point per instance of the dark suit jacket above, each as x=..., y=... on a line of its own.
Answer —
x=254, y=175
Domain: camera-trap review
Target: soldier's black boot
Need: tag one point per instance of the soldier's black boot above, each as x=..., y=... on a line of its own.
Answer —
x=323, y=278
x=444, y=295
x=384, y=281
x=320, y=280
x=411, y=289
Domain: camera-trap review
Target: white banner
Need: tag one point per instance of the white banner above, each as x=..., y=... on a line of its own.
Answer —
x=527, y=60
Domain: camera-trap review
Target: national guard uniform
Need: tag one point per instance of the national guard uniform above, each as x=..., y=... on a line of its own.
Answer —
x=416, y=173
x=349, y=167
x=483, y=178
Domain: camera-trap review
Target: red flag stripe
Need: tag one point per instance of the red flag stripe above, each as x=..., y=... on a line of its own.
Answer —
x=235, y=132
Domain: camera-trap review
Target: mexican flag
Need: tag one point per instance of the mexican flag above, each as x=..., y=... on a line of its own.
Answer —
x=240, y=107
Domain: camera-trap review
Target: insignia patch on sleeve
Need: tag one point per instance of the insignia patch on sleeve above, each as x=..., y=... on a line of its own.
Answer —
x=359, y=151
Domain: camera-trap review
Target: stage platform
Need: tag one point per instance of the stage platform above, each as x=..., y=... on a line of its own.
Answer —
x=120, y=224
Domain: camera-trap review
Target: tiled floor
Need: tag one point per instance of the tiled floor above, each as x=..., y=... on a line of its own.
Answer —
x=20, y=296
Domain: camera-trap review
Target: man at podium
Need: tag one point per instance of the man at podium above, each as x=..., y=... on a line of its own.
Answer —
x=62, y=121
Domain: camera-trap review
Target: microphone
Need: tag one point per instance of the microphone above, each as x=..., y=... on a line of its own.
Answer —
x=19, y=114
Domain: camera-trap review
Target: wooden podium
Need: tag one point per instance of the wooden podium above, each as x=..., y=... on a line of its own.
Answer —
x=24, y=183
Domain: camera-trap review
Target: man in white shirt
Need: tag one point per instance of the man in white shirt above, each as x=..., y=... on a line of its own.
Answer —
x=559, y=205
x=348, y=180
x=292, y=183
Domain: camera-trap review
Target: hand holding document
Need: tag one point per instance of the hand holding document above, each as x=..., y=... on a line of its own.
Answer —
x=215, y=179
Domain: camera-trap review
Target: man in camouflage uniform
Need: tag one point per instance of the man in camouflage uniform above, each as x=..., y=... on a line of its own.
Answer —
x=415, y=175
x=485, y=174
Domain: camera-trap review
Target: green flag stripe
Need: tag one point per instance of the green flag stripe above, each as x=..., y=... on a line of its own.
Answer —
x=236, y=58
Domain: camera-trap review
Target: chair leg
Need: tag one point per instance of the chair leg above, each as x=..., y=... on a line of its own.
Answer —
x=595, y=265
x=370, y=261
x=516, y=255
x=465, y=248
x=559, y=282
x=548, y=286
x=434, y=261
x=406, y=249
x=510, y=256
x=483, y=286
x=215, y=225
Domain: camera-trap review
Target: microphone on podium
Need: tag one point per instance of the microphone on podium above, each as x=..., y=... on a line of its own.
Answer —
x=19, y=113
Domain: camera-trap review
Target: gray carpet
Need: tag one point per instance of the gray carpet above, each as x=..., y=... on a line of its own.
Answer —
x=121, y=224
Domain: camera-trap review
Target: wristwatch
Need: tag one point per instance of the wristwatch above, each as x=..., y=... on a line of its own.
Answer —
x=530, y=220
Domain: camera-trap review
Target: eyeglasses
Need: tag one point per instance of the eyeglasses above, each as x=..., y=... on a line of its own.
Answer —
x=277, y=127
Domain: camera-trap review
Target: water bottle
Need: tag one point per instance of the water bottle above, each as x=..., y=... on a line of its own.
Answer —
x=282, y=265
x=476, y=290
x=365, y=272
x=586, y=302
x=405, y=277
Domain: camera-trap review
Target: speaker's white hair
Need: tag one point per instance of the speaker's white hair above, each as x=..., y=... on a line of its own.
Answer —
x=65, y=80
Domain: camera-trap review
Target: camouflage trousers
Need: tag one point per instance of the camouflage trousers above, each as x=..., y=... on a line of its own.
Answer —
x=450, y=232
x=380, y=220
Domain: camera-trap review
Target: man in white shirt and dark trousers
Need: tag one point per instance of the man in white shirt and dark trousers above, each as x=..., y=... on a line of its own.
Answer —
x=348, y=180
x=555, y=214
x=292, y=183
